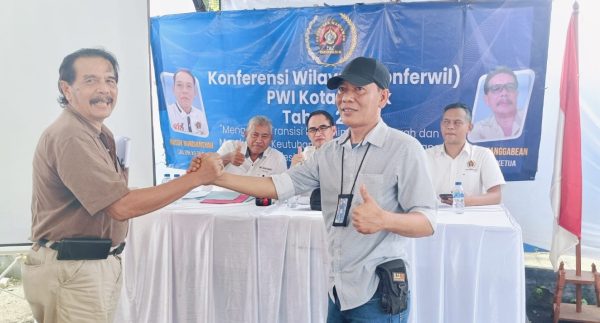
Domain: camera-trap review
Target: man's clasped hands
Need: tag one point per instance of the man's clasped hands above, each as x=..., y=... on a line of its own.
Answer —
x=209, y=164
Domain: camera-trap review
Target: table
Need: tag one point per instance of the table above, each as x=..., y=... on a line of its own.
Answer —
x=225, y=263
x=471, y=270
x=242, y=263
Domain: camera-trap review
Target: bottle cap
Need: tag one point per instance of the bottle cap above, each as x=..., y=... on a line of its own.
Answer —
x=457, y=183
x=262, y=201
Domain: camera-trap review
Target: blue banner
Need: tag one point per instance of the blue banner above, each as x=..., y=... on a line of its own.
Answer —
x=276, y=63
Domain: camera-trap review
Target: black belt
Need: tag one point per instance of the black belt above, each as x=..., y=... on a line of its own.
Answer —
x=58, y=246
x=118, y=249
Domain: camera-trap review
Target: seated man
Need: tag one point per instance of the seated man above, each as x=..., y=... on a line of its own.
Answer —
x=457, y=160
x=320, y=129
x=254, y=157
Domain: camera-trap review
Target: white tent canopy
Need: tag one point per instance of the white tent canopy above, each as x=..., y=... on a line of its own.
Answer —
x=38, y=34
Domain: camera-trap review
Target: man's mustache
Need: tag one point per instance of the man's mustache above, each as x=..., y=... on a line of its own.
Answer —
x=506, y=101
x=107, y=100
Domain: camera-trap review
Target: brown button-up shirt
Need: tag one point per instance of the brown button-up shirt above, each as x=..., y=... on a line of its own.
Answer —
x=74, y=180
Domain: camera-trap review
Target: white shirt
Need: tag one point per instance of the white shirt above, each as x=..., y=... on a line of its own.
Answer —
x=475, y=166
x=488, y=129
x=308, y=152
x=271, y=162
x=193, y=122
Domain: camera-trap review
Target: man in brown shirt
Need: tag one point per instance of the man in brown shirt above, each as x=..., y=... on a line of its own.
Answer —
x=80, y=191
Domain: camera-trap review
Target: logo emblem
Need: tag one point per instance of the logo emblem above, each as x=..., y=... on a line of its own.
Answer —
x=471, y=164
x=330, y=40
x=398, y=276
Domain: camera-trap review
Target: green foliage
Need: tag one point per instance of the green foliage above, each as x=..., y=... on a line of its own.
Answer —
x=583, y=301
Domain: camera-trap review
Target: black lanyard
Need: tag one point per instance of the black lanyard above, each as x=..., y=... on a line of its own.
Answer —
x=357, y=172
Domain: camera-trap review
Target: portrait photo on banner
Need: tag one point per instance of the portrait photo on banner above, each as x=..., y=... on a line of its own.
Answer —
x=184, y=104
x=500, y=106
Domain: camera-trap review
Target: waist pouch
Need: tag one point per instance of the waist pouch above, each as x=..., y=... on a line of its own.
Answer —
x=393, y=283
x=82, y=248
x=315, y=200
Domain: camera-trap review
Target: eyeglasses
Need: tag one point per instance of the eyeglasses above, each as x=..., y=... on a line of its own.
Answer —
x=497, y=88
x=314, y=130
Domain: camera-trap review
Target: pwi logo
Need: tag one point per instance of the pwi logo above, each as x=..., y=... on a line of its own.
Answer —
x=330, y=40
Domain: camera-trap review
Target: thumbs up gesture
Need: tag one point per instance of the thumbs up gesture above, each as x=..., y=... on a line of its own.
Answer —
x=368, y=217
x=298, y=158
x=237, y=157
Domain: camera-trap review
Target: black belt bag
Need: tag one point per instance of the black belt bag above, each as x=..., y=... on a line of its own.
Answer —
x=84, y=248
x=393, y=283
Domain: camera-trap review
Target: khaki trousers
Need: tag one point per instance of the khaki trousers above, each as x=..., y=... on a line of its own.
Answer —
x=71, y=290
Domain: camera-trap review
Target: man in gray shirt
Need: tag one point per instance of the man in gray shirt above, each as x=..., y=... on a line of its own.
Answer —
x=376, y=173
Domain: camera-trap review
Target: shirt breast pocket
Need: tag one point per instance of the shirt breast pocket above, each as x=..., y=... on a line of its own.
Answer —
x=373, y=183
x=471, y=179
x=471, y=171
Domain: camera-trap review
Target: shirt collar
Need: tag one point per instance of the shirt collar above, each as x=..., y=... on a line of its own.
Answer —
x=375, y=137
x=466, y=150
x=181, y=111
x=88, y=126
x=259, y=155
x=516, y=125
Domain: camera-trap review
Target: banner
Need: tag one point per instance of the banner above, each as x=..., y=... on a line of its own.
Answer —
x=566, y=189
x=276, y=63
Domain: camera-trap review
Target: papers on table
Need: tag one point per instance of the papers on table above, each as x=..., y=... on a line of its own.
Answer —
x=198, y=192
x=209, y=194
x=225, y=198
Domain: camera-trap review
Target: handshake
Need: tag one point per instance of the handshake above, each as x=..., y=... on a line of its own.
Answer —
x=206, y=168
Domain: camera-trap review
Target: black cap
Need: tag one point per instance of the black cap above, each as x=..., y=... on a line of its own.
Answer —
x=360, y=72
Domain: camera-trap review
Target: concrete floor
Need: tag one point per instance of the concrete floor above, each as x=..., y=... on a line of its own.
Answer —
x=540, y=286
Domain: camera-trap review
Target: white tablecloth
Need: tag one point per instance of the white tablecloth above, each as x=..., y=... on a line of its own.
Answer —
x=226, y=263
x=198, y=263
x=470, y=270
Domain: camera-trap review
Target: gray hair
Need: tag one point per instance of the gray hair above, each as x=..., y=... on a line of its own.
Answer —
x=260, y=121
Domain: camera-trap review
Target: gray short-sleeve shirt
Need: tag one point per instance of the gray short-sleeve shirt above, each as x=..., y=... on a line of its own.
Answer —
x=396, y=176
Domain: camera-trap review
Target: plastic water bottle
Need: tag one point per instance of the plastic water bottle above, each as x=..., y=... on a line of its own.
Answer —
x=458, y=198
x=166, y=178
x=292, y=202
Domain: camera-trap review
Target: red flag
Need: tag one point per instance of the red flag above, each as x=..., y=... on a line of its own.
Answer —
x=566, y=178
